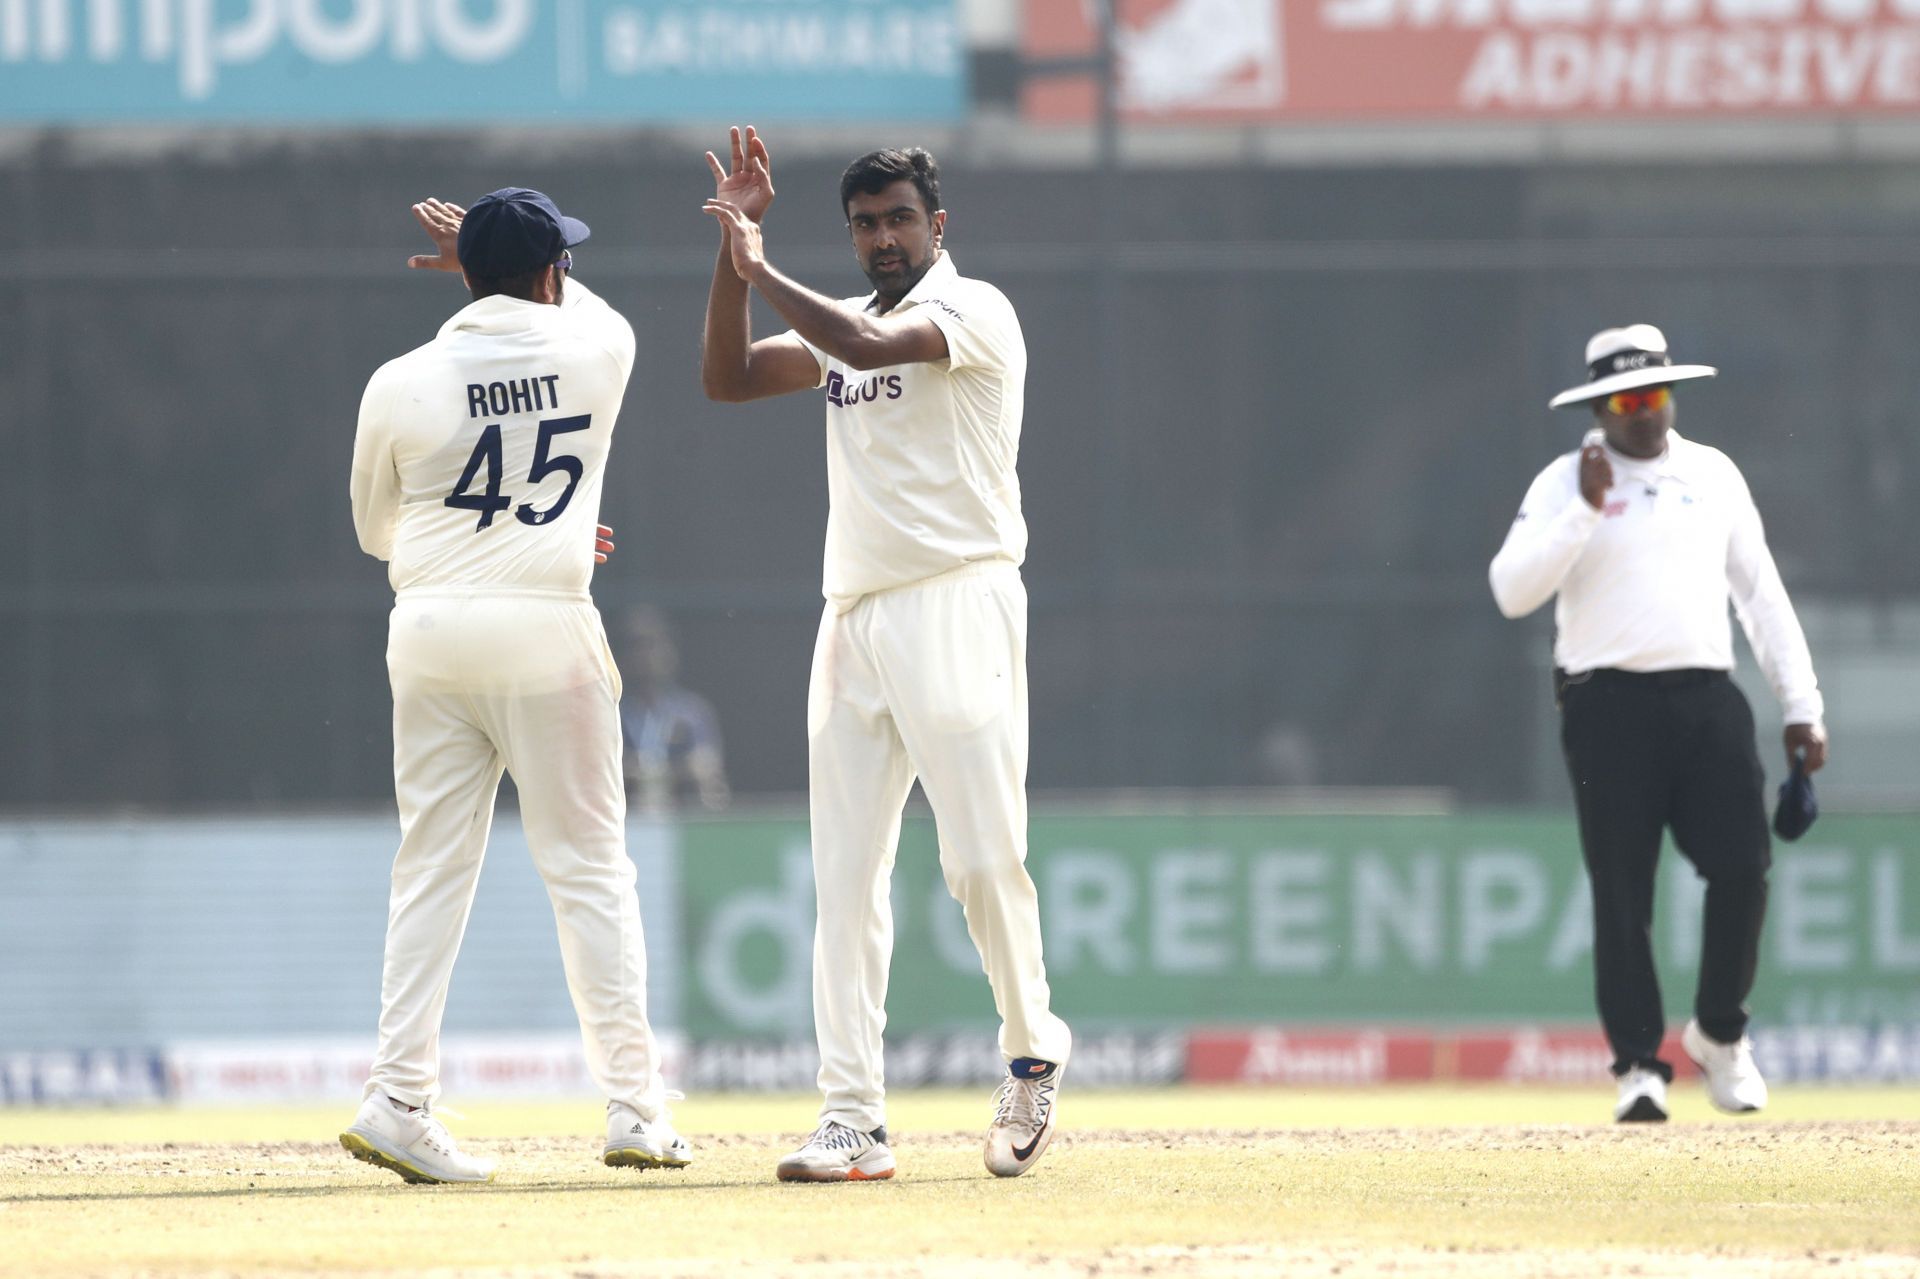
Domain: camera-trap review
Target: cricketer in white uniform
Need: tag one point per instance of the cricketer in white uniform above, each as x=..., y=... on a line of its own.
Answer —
x=477, y=471
x=920, y=665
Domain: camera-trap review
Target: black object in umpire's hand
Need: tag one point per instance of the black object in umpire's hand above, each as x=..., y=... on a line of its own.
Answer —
x=1798, y=806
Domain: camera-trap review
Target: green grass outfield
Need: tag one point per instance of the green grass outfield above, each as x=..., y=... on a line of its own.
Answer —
x=1409, y=1182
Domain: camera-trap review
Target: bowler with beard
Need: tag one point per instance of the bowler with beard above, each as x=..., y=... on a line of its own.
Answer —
x=1646, y=538
x=919, y=669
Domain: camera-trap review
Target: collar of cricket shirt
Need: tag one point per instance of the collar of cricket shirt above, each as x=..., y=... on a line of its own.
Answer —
x=498, y=314
x=1670, y=465
x=940, y=272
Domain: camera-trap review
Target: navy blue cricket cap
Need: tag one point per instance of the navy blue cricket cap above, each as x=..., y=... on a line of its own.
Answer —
x=1798, y=805
x=515, y=231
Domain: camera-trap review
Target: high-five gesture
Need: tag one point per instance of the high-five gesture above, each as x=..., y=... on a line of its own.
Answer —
x=734, y=367
x=749, y=185
x=441, y=222
x=744, y=244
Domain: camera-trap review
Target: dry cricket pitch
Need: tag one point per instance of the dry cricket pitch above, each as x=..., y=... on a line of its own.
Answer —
x=1409, y=1182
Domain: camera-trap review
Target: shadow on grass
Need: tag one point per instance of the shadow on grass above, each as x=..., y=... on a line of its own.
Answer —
x=652, y=1185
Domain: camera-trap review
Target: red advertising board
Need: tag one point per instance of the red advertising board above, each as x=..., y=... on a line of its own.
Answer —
x=1285, y=1055
x=1362, y=1056
x=1330, y=60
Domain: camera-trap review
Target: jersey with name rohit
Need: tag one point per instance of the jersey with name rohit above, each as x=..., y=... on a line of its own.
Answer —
x=479, y=456
x=1644, y=580
x=920, y=457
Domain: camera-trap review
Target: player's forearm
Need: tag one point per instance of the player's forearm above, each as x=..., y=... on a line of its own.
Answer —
x=1780, y=648
x=1773, y=628
x=374, y=509
x=1535, y=561
x=725, y=349
x=374, y=485
x=847, y=335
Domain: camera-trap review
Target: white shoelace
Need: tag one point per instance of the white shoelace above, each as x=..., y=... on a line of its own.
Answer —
x=436, y=1134
x=433, y=1132
x=1024, y=1103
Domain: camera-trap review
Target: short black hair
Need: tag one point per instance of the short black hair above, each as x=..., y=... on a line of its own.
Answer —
x=877, y=170
x=512, y=286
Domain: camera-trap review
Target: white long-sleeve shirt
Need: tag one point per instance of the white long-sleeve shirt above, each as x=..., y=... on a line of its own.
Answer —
x=478, y=459
x=1644, y=582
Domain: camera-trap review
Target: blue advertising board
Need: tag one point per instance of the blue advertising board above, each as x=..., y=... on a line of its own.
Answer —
x=519, y=62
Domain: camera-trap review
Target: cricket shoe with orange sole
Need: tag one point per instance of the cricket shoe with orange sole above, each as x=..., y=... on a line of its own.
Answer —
x=836, y=1152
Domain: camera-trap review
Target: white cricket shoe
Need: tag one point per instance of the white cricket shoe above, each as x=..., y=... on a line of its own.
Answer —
x=413, y=1143
x=1022, y=1116
x=836, y=1152
x=1733, y=1081
x=633, y=1142
x=1643, y=1097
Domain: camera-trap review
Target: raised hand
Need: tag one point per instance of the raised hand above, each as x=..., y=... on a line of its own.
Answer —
x=441, y=222
x=743, y=237
x=748, y=186
x=1596, y=475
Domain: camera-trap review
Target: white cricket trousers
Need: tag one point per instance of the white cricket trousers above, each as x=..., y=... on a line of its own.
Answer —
x=521, y=682
x=927, y=680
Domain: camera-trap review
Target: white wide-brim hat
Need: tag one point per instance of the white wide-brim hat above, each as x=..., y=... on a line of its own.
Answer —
x=1622, y=359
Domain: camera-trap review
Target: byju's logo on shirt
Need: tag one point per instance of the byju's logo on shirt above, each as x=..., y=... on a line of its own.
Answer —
x=840, y=394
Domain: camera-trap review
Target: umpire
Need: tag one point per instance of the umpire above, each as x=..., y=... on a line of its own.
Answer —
x=1645, y=537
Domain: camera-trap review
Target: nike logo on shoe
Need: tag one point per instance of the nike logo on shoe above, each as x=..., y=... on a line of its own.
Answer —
x=1024, y=1153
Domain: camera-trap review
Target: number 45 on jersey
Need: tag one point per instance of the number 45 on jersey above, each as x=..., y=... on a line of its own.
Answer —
x=487, y=453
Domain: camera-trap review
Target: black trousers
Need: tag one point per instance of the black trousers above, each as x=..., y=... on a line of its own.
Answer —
x=1669, y=750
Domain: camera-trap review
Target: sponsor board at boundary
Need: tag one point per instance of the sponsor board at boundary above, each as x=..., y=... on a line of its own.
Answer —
x=553, y=1066
x=100, y=1076
x=1526, y=1055
x=291, y=1070
x=1320, y=60
x=519, y=62
x=1151, y=921
x=1234, y=919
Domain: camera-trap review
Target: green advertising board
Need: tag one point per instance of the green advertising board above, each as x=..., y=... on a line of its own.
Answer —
x=1203, y=919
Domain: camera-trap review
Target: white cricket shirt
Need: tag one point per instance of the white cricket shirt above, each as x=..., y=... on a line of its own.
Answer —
x=479, y=456
x=920, y=457
x=1644, y=582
